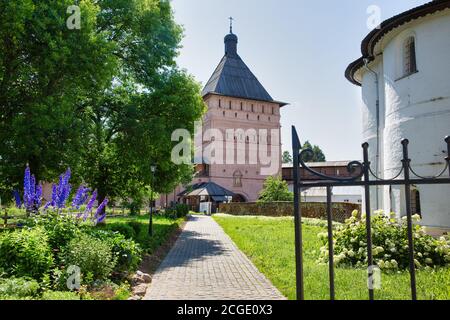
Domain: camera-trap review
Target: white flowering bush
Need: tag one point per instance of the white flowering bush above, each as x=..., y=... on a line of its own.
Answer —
x=390, y=244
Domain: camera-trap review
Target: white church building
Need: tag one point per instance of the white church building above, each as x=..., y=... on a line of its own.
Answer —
x=404, y=73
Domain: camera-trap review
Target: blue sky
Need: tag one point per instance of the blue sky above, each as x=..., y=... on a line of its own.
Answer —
x=299, y=51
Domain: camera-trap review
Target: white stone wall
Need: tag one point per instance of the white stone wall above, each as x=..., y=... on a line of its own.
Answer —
x=416, y=107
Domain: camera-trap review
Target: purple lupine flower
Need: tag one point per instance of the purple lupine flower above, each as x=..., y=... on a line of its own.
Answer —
x=65, y=194
x=32, y=194
x=101, y=208
x=85, y=196
x=91, y=201
x=80, y=197
x=54, y=196
x=38, y=196
x=61, y=191
x=47, y=205
x=32, y=186
x=27, y=188
x=59, y=196
x=17, y=198
x=100, y=215
x=101, y=218
x=66, y=186
x=90, y=205
x=26, y=180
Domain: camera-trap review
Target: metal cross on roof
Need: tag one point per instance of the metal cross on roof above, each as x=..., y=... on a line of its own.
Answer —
x=231, y=24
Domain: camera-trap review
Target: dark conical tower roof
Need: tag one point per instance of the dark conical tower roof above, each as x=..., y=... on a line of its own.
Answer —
x=233, y=78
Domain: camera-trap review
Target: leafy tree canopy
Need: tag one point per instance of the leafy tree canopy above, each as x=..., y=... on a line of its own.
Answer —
x=317, y=153
x=287, y=158
x=275, y=189
x=102, y=100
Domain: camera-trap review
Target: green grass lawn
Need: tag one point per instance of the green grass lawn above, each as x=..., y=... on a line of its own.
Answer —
x=269, y=243
x=163, y=228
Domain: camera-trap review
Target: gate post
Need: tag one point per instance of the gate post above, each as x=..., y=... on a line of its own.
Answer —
x=330, y=243
x=296, y=146
x=447, y=139
x=366, y=167
x=412, y=269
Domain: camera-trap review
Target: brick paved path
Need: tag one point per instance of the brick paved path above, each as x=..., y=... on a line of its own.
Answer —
x=205, y=264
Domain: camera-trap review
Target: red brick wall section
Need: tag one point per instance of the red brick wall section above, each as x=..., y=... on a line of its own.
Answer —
x=341, y=211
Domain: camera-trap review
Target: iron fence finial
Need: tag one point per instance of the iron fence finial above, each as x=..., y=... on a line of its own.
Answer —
x=295, y=139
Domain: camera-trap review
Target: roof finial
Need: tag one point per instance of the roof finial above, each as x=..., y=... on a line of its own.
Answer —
x=231, y=24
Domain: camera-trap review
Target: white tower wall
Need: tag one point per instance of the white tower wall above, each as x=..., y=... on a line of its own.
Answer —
x=416, y=107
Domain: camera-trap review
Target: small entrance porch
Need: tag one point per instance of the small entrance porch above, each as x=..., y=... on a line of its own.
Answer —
x=195, y=196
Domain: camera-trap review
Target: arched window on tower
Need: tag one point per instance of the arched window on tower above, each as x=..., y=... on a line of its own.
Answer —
x=409, y=56
x=237, y=179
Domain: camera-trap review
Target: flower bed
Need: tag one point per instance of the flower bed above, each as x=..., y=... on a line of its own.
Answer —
x=390, y=244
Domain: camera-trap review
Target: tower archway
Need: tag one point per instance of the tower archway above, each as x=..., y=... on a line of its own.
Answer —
x=239, y=198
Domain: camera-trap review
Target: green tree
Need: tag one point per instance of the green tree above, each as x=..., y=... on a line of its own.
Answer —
x=287, y=158
x=103, y=100
x=127, y=132
x=45, y=68
x=131, y=123
x=275, y=189
x=317, y=153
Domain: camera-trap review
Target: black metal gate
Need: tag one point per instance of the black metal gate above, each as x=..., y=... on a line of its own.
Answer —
x=362, y=174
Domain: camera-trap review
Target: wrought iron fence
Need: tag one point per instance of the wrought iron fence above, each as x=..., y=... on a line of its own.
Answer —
x=362, y=175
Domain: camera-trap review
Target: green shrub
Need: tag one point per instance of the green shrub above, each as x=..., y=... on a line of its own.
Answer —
x=60, y=229
x=25, y=252
x=124, y=229
x=127, y=252
x=60, y=295
x=18, y=288
x=123, y=292
x=93, y=256
x=137, y=227
x=171, y=213
x=275, y=189
x=182, y=210
x=16, y=212
x=390, y=244
x=135, y=207
x=179, y=211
